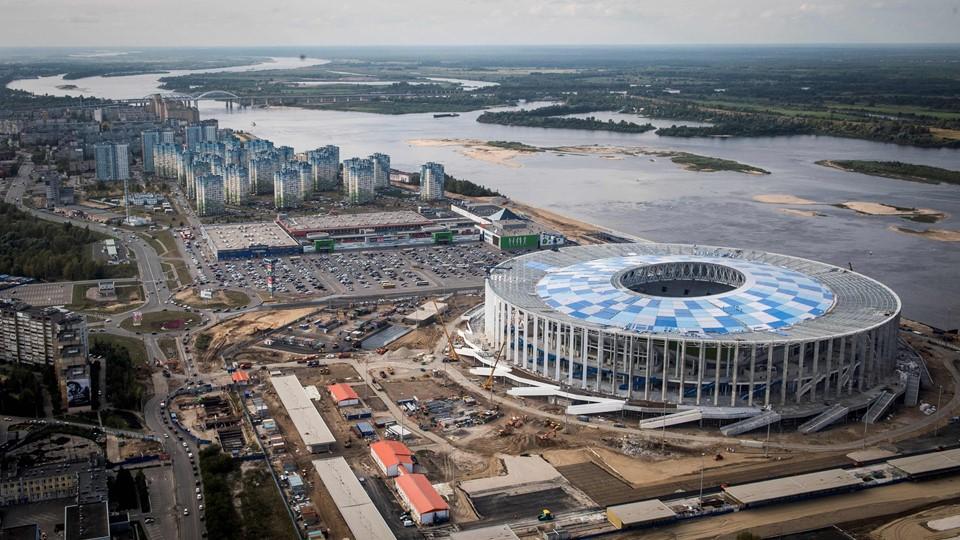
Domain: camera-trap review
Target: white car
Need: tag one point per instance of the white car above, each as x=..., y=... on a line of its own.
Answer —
x=186, y=511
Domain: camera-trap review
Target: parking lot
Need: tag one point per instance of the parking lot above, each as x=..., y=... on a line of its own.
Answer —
x=41, y=294
x=360, y=272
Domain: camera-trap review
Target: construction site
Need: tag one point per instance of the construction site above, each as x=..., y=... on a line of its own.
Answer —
x=479, y=449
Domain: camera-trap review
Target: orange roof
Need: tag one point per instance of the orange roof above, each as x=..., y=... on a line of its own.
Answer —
x=342, y=392
x=240, y=376
x=420, y=493
x=392, y=453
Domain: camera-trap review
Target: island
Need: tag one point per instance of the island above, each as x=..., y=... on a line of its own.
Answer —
x=896, y=169
x=694, y=162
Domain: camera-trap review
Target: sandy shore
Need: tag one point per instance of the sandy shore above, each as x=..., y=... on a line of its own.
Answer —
x=940, y=235
x=475, y=149
x=782, y=198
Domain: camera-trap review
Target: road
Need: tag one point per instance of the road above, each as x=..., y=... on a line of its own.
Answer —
x=157, y=299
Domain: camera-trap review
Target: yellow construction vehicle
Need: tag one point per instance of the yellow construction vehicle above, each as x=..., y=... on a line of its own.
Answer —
x=453, y=351
x=488, y=384
x=545, y=515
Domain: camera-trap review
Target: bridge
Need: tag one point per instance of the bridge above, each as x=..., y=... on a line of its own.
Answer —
x=231, y=100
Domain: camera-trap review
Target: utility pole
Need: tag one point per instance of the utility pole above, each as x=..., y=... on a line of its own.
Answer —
x=702, y=455
x=936, y=430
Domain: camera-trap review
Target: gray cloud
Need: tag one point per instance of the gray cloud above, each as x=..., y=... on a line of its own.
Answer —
x=431, y=22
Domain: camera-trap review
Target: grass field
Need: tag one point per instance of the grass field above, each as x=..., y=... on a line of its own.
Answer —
x=156, y=321
x=138, y=352
x=222, y=299
x=128, y=297
x=183, y=274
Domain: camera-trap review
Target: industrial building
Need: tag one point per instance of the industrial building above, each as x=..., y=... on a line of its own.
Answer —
x=793, y=487
x=358, y=511
x=640, y=514
x=249, y=240
x=314, y=432
x=696, y=326
x=425, y=504
x=343, y=395
x=391, y=456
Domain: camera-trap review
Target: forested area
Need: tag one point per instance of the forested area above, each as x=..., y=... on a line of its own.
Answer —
x=50, y=251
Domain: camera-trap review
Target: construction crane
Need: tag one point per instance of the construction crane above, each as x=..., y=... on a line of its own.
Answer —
x=488, y=384
x=453, y=350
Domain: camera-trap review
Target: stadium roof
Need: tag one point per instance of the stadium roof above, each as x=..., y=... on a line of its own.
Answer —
x=778, y=298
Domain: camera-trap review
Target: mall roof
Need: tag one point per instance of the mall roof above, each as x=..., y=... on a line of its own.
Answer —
x=244, y=235
x=302, y=224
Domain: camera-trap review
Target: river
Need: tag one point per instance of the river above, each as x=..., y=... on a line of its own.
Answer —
x=650, y=196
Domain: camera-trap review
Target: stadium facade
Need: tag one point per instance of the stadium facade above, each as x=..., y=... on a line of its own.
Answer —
x=693, y=325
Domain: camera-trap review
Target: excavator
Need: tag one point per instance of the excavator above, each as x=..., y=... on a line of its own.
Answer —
x=454, y=357
x=488, y=384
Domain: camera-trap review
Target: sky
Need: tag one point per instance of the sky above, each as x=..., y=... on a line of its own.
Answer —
x=125, y=23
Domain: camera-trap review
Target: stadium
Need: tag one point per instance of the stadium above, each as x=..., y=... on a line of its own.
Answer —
x=713, y=327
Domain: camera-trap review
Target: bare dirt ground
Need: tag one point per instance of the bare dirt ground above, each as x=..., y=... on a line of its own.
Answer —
x=244, y=327
x=918, y=525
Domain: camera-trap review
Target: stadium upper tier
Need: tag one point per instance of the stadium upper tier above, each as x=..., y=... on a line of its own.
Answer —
x=686, y=321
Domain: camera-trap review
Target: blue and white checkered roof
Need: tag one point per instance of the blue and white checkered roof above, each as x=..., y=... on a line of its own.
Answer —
x=772, y=298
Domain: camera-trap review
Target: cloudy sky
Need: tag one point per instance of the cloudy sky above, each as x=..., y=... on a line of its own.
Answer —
x=468, y=22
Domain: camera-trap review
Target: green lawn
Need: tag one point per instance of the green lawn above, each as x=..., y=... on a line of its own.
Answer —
x=155, y=321
x=183, y=274
x=136, y=348
x=128, y=296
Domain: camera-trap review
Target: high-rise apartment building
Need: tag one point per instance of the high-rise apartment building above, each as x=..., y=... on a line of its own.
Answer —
x=165, y=159
x=358, y=179
x=431, y=181
x=53, y=337
x=148, y=141
x=112, y=161
x=286, y=188
x=305, y=173
x=262, y=170
x=210, y=194
x=381, y=170
x=236, y=184
x=192, y=136
x=326, y=167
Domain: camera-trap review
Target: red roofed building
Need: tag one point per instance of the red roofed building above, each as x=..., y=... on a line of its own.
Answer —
x=241, y=378
x=391, y=456
x=425, y=504
x=343, y=395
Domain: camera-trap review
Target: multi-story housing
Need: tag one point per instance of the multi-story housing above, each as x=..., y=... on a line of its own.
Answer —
x=165, y=159
x=358, y=179
x=381, y=170
x=148, y=141
x=305, y=173
x=236, y=184
x=286, y=188
x=53, y=337
x=262, y=170
x=210, y=194
x=192, y=136
x=431, y=181
x=209, y=131
x=326, y=167
x=112, y=161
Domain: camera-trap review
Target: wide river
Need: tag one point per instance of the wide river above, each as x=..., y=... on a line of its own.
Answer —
x=651, y=197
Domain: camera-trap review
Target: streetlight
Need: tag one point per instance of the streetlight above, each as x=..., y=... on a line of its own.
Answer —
x=702, y=455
